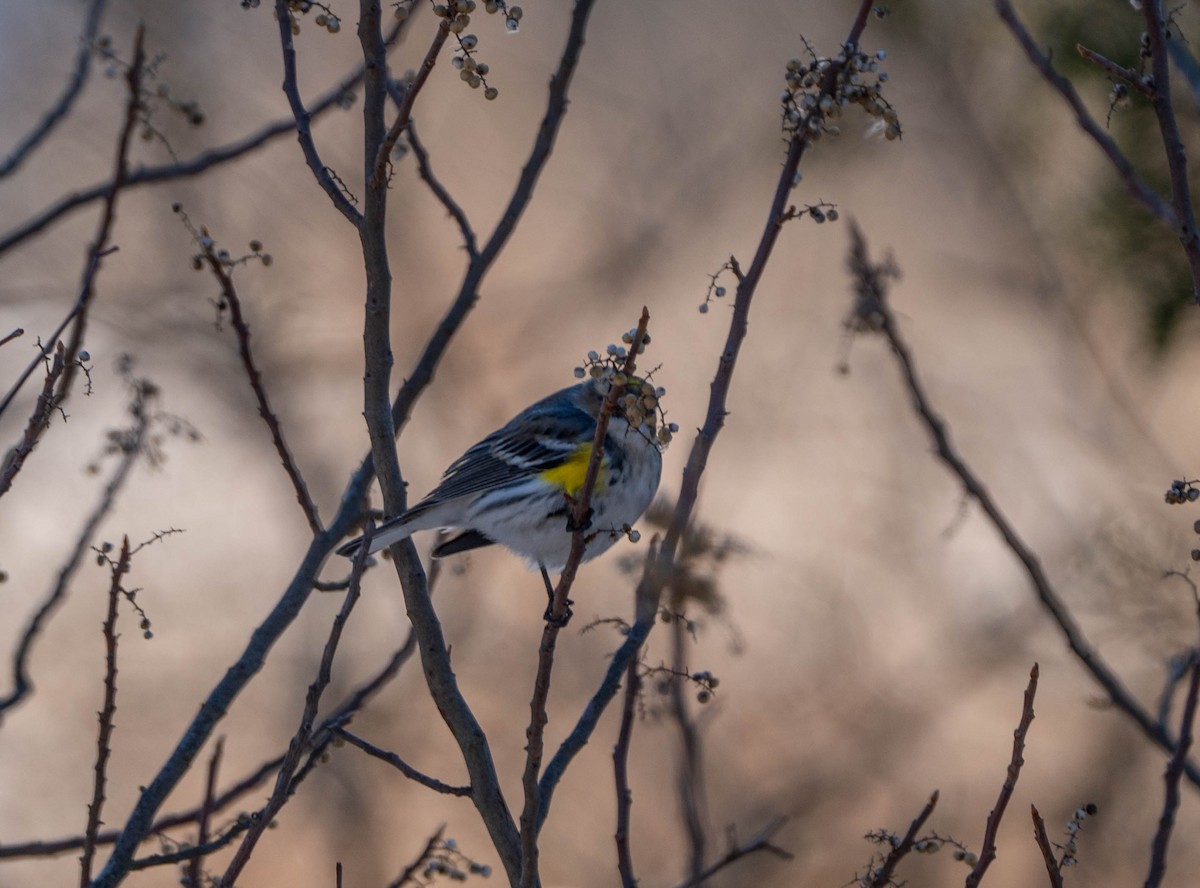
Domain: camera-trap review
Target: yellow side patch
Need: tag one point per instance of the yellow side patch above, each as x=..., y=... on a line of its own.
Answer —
x=570, y=473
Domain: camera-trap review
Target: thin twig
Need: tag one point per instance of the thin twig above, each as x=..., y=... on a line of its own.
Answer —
x=410, y=871
x=1043, y=843
x=404, y=114
x=1168, y=126
x=107, y=711
x=656, y=575
x=303, y=119
x=1124, y=167
x=300, y=740
x=192, y=852
x=15, y=334
x=690, y=779
x=882, y=877
x=402, y=766
x=439, y=191
x=201, y=163
x=196, y=868
x=242, y=329
x=58, y=112
x=760, y=842
x=621, y=776
x=1118, y=72
x=871, y=277
x=1172, y=777
x=22, y=683
x=988, y=852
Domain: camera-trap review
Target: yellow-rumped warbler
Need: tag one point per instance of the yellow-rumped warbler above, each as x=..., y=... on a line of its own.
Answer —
x=512, y=487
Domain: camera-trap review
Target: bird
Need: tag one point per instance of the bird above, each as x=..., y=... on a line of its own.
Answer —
x=517, y=486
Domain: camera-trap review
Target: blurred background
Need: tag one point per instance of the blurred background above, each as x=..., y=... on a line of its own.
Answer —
x=875, y=636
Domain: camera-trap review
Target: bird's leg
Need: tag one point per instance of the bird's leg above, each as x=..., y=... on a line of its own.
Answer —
x=548, y=616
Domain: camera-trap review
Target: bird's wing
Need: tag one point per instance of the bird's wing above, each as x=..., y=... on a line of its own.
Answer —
x=538, y=440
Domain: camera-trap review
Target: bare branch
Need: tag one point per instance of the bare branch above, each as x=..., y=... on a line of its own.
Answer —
x=284, y=786
x=760, y=842
x=871, y=283
x=621, y=775
x=107, y=711
x=1134, y=184
x=303, y=119
x=1172, y=777
x=108, y=217
x=196, y=868
x=409, y=97
x=439, y=190
x=1115, y=71
x=242, y=329
x=402, y=766
x=58, y=112
x=39, y=421
x=1043, y=843
x=1168, y=126
x=988, y=852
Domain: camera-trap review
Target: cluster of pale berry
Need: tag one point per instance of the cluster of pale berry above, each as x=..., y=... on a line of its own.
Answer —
x=1074, y=825
x=457, y=14
x=640, y=404
x=818, y=90
x=1182, y=492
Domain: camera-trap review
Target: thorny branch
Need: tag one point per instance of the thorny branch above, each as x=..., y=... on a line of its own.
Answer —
x=107, y=711
x=132, y=449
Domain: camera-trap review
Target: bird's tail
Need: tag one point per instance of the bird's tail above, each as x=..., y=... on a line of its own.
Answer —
x=385, y=534
x=421, y=517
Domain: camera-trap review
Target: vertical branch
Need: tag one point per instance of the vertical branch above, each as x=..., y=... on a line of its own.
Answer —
x=1181, y=197
x=104, y=736
x=99, y=247
x=988, y=852
x=557, y=617
x=1172, y=777
x=196, y=867
x=284, y=785
x=691, y=771
x=1043, y=843
x=621, y=775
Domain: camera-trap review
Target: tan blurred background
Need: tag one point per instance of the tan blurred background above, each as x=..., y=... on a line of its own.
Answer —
x=875, y=643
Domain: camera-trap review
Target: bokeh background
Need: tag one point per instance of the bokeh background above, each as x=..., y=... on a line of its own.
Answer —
x=876, y=636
